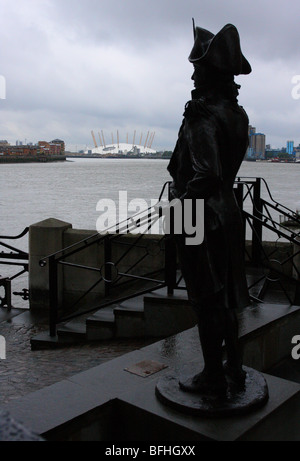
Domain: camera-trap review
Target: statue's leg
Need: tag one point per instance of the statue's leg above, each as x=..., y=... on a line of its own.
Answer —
x=212, y=378
x=233, y=367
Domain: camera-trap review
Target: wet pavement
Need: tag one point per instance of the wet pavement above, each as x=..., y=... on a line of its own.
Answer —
x=24, y=371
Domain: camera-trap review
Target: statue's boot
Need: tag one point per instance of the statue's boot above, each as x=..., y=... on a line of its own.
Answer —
x=212, y=379
x=233, y=367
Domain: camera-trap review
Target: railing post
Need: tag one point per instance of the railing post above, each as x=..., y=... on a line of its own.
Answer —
x=170, y=254
x=53, y=296
x=239, y=191
x=239, y=195
x=170, y=263
x=257, y=223
x=107, y=259
x=297, y=270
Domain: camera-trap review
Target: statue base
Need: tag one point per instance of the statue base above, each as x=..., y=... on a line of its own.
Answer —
x=236, y=401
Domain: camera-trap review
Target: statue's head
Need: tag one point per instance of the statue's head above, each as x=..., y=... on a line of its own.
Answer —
x=217, y=55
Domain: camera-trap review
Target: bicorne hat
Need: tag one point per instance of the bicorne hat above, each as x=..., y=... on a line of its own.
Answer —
x=221, y=51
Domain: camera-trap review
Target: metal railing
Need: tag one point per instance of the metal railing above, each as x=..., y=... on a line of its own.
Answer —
x=248, y=193
x=109, y=273
x=267, y=214
x=14, y=257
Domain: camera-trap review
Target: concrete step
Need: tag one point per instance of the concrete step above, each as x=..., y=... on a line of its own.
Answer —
x=43, y=340
x=156, y=314
x=124, y=320
x=73, y=330
x=130, y=318
x=167, y=314
x=101, y=325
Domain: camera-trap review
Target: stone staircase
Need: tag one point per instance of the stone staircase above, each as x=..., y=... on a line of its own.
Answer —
x=156, y=314
x=153, y=315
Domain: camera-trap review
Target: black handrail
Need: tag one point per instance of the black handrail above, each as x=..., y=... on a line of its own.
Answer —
x=9, y=237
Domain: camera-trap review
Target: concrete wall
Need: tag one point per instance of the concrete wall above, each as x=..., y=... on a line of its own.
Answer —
x=51, y=235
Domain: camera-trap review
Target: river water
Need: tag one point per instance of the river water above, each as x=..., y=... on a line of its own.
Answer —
x=70, y=190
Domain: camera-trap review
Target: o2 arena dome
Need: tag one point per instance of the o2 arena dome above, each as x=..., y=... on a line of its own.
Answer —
x=123, y=148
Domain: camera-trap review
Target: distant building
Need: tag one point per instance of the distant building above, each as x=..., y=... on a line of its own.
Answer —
x=20, y=150
x=257, y=144
x=61, y=144
x=297, y=152
x=135, y=149
x=56, y=147
x=42, y=148
x=290, y=147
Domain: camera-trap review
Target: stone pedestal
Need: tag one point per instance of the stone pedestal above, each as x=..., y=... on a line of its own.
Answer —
x=236, y=401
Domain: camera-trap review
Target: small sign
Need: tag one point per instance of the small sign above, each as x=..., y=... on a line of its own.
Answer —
x=146, y=368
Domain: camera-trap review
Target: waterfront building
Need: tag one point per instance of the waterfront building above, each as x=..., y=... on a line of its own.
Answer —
x=290, y=147
x=60, y=143
x=42, y=148
x=257, y=144
x=20, y=150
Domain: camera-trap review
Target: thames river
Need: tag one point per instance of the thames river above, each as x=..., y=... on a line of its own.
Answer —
x=70, y=190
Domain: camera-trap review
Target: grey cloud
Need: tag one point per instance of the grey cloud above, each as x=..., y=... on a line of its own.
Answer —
x=108, y=64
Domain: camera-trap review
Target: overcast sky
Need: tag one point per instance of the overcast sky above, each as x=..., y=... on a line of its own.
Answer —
x=72, y=66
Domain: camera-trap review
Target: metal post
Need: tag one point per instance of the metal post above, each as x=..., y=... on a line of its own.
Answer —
x=296, y=260
x=239, y=195
x=239, y=191
x=170, y=254
x=107, y=259
x=170, y=263
x=53, y=296
x=257, y=223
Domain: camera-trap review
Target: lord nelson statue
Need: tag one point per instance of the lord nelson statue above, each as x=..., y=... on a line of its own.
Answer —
x=211, y=146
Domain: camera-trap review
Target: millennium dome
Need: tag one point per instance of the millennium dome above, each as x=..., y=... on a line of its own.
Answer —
x=139, y=145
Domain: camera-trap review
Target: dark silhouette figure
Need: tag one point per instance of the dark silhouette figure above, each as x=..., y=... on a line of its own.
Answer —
x=211, y=145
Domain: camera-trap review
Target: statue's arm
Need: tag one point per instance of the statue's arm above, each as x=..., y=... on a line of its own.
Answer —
x=203, y=136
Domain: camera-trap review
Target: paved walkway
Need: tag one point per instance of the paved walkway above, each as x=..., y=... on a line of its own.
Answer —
x=24, y=371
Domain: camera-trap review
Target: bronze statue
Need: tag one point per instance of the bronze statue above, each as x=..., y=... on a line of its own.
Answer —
x=211, y=146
